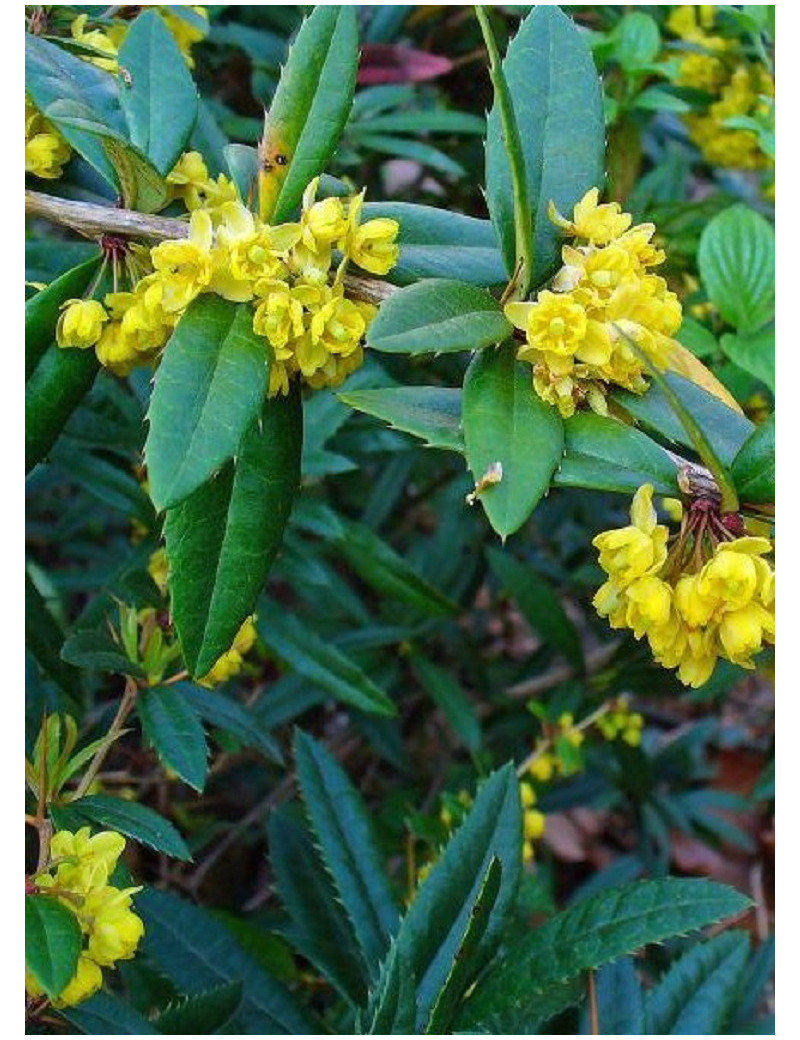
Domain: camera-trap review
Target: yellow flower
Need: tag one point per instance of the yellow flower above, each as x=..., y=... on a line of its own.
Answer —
x=97, y=41
x=598, y=224
x=533, y=825
x=186, y=264
x=649, y=604
x=555, y=323
x=231, y=662
x=636, y=551
x=80, y=323
x=371, y=245
x=77, y=875
x=46, y=151
x=115, y=930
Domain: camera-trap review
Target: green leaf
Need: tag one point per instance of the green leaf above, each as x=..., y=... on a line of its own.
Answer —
x=726, y=429
x=310, y=108
x=696, y=337
x=447, y=695
x=222, y=710
x=242, y=163
x=596, y=931
x=319, y=930
x=174, y=729
x=202, y=1014
x=538, y=603
x=432, y=413
x=655, y=99
x=389, y=574
x=42, y=310
x=209, y=388
x=222, y=540
x=753, y=469
x=506, y=422
x=197, y=954
x=104, y=1014
x=129, y=818
x=158, y=98
x=467, y=961
x=755, y=353
x=319, y=662
x=438, y=919
x=141, y=185
x=438, y=315
x=435, y=243
x=620, y=1002
x=53, y=942
x=736, y=259
x=342, y=828
x=601, y=450
x=96, y=649
x=56, y=387
x=434, y=120
x=52, y=74
x=557, y=99
x=637, y=40
x=44, y=639
x=392, y=1004
x=700, y=988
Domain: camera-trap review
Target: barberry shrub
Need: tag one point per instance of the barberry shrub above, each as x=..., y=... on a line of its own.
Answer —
x=270, y=650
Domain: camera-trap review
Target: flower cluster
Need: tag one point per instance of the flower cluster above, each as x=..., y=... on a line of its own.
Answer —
x=78, y=876
x=101, y=45
x=620, y=723
x=710, y=596
x=579, y=333
x=533, y=821
x=293, y=274
x=46, y=151
x=737, y=87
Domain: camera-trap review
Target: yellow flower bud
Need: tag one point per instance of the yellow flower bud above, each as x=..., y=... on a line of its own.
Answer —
x=80, y=323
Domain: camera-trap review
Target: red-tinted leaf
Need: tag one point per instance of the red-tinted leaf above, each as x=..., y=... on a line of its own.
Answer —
x=391, y=63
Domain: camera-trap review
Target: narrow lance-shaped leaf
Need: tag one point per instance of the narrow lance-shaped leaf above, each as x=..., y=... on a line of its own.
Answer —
x=221, y=541
x=432, y=413
x=309, y=109
x=58, y=384
x=700, y=988
x=42, y=310
x=174, y=729
x=129, y=818
x=435, y=243
x=438, y=315
x=52, y=74
x=342, y=828
x=158, y=97
x=322, y=664
x=434, y=927
x=611, y=924
x=320, y=930
x=511, y=434
x=52, y=942
x=753, y=469
x=196, y=953
x=557, y=100
x=209, y=387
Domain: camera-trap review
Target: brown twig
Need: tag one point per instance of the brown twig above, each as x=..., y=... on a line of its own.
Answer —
x=126, y=703
x=93, y=221
x=594, y=1017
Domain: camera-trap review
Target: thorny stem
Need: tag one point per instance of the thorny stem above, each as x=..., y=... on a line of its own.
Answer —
x=93, y=221
x=125, y=705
